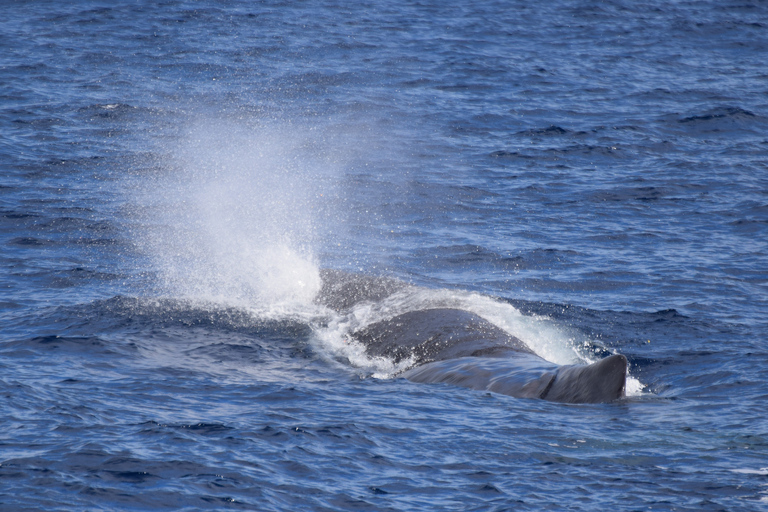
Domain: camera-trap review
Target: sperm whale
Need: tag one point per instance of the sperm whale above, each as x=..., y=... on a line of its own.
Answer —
x=449, y=345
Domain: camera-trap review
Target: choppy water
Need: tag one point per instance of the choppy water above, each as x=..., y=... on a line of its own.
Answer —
x=592, y=176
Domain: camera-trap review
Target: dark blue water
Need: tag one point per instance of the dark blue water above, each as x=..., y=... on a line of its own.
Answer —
x=590, y=176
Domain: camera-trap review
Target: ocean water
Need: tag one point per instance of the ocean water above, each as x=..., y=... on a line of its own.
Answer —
x=590, y=176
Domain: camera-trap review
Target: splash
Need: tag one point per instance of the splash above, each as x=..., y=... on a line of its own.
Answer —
x=232, y=216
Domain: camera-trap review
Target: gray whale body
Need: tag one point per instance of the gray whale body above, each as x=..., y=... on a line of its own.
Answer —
x=454, y=346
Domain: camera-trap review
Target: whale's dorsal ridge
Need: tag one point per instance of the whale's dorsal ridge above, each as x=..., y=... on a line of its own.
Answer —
x=603, y=381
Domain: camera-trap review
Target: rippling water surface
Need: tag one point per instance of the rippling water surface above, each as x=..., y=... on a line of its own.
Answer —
x=591, y=176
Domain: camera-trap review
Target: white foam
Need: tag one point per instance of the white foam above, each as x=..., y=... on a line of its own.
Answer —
x=634, y=387
x=744, y=471
x=334, y=341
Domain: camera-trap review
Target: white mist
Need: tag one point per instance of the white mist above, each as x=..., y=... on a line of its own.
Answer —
x=232, y=216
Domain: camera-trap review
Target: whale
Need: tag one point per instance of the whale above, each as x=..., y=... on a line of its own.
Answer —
x=452, y=346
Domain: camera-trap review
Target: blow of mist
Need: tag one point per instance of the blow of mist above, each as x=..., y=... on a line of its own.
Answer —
x=234, y=216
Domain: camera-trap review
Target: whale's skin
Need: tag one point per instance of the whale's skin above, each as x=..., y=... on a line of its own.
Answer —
x=447, y=345
x=341, y=290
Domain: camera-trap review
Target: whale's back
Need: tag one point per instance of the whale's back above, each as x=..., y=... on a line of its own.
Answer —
x=436, y=335
x=459, y=347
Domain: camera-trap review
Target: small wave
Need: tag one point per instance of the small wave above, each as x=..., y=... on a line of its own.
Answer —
x=109, y=110
x=549, y=131
x=507, y=154
x=744, y=471
x=167, y=312
x=735, y=113
x=90, y=346
x=30, y=241
x=469, y=255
